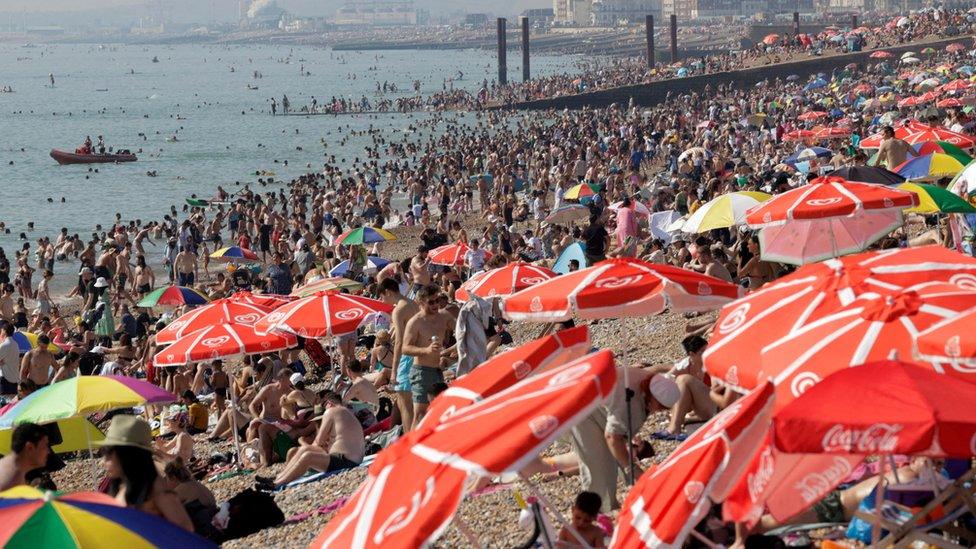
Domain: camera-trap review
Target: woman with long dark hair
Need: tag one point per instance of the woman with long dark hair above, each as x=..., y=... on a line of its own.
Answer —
x=131, y=474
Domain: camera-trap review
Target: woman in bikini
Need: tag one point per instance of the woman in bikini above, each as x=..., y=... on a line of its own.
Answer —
x=380, y=359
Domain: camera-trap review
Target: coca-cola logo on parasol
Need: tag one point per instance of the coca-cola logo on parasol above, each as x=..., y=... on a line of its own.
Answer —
x=543, y=426
x=735, y=319
x=693, y=491
x=823, y=201
x=803, y=381
x=814, y=486
x=880, y=438
x=215, y=341
x=350, y=314
x=612, y=282
x=402, y=516
x=247, y=318
x=758, y=481
x=953, y=347
x=521, y=369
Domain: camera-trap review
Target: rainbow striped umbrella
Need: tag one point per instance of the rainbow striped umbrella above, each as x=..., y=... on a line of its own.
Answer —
x=581, y=191
x=234, y=253
x=173, y=295
x=83, y=395
x=929, y=167
x=77, y=433
x=364, y=235
x=31, y=518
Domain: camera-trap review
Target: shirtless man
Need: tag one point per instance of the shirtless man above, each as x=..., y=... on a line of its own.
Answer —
x=105, y=266
x=185, y=267
x=339, y=444
x=143, y=234
x=893, y=151
x=38, y=363
x=418, y=270
x=145, y=279
x=30, y=448
x=403, y=311
x=7, y=302
x=423, y=340
x=266, y=409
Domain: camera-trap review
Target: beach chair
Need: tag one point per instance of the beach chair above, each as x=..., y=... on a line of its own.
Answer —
x=904, y=524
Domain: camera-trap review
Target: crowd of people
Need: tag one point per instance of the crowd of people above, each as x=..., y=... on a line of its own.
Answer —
x=491, y=184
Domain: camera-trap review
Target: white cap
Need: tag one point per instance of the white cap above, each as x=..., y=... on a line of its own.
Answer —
x=296, y=377
x=664, y=390
x=101, y=282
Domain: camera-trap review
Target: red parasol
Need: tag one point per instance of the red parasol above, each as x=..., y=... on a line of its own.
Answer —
x=827, y=196
x=503, y=280
x=451, y=254
x=671, y=498
x=222, y=340
x=915, y=411
x=901, y=132
x=506, y=369
x=798, y=135
x=873, y=327
x=222, y=310
x=949, y=341
x=519, y=421
x=812, y=115
x=941, y=134
x=619, y=288
x=813, y=291
x=407, y=503
x=325, y=314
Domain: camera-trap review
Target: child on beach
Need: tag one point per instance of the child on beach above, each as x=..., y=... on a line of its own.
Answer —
x=585, y=511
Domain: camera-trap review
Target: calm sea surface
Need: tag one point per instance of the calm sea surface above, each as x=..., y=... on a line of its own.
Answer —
x=120, y=93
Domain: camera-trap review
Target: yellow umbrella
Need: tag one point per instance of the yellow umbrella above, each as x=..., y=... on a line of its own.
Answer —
x=723, y=211
x=77, y=433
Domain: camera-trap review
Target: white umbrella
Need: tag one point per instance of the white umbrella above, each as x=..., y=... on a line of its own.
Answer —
x=700, y=150
x=661, y=222
x=908, y=54
x=910, y=60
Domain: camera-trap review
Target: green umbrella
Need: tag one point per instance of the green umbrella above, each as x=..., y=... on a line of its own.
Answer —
x=935, y=199
x=944, y=147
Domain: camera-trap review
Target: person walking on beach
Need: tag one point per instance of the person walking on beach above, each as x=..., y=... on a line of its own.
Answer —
x=274, y=107
x=424, y=340
x=185, y=267
x=401, y=364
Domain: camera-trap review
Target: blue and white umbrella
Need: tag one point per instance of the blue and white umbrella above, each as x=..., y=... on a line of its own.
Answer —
x=373, y=264
x=816, y=84
x=809, y=153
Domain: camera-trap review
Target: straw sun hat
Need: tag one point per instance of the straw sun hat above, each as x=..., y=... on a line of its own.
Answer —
x=128, y=431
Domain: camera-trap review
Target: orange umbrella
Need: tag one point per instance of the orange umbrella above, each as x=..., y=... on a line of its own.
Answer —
x=881, y=55
x=958, y=84
x=960, y=140
x=507, y=369
x=406, y=503
x=770, y=39
x=223, y=340
x=325, y=314
x=619, y=288
x=811, y=115
x=503, y=280
x=671, y=498
x=798, y=135
x=901, y=132
x=215, y=312
x=949, y=341
x=831, y=132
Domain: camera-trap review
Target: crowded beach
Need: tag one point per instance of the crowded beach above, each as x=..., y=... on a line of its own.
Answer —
x=737, y=318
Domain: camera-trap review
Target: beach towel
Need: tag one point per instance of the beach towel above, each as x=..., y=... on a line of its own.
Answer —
x=471, y=334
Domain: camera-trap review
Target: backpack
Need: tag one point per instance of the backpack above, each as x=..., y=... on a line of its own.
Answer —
x=250, y=512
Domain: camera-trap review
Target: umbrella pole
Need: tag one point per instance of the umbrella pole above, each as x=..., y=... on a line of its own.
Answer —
x=559, y=516
x=233, y=426
x=878, y=501
x=467, y=532
x=628, y=397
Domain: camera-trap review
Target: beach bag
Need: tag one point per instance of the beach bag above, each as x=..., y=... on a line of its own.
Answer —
x=250, y=512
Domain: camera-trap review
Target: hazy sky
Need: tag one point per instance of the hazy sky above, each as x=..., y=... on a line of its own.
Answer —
x=201, y=8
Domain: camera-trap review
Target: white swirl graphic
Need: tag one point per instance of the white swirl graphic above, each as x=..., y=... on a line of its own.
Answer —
x=953, y=347
x=965, y=281
x=247, y=318
x=215, y=341
x=536, y=304
x=704, y=289
x=803, y=381
x=531, y=280
x=618, y=281
x=350, y=314
x=736, y=318
x=732, y=375
x=823, y=201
